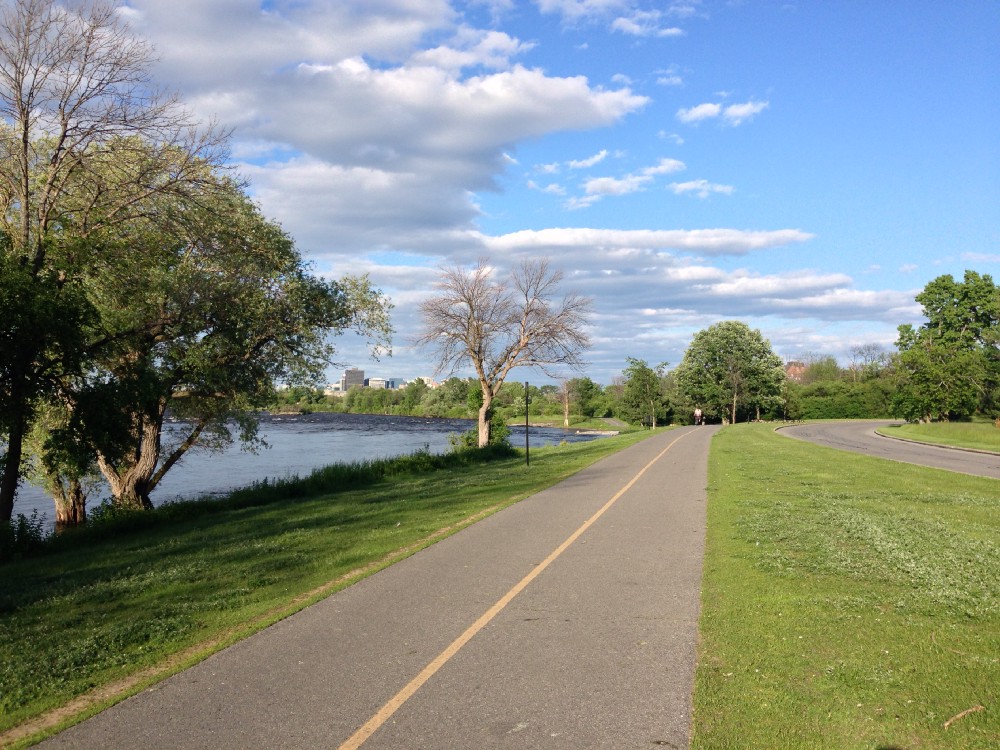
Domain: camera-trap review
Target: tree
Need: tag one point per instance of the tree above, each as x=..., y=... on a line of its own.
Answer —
x=729, y=367
x=497, y=325
x=587, y=394
x=201, y=323
x=73, y=80
x=950, y=366
x=643, y=399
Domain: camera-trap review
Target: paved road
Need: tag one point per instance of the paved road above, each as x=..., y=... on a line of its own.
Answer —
x=860, y=437
x=568, y=620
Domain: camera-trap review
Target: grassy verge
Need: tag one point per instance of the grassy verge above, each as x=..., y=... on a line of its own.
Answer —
x=982, y=436
x=106, y=613
x=847, y=602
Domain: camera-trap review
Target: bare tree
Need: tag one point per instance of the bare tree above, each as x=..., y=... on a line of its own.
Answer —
x=497, y=325
x=86, y=143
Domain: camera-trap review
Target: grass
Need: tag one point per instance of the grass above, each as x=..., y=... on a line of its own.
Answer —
x=984, y=436
x=105, y=613
x=847, y=602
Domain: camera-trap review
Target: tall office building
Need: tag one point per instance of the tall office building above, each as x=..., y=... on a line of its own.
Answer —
x=352, y=377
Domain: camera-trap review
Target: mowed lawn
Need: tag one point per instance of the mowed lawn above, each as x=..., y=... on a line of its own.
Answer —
x=982, y=436
x=848, y=602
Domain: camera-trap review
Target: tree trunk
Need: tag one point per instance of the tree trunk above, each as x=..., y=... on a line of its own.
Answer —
x=130, y=483
x=485, y=419
x=11, y=468
x=734, y=409
x=71, y=506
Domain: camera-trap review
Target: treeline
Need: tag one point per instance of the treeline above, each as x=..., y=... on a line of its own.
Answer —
x=573, y=402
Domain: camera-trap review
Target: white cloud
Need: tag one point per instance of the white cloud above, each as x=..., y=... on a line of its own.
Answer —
x=698, y=113
x=737, y=114
x=371, y=128
x=589, y=162
x=734, y=114
x=701, y=241
x=474, y=48
x=665, y=166
x=616, y=186
x=644, y=23
x=701, y=188
x=981, y=257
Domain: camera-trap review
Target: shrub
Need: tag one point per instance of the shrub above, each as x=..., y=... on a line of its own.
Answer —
x=22, y=536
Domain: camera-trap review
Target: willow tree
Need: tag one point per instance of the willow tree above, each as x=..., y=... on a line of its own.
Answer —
x=72, y=79
x=493, y=325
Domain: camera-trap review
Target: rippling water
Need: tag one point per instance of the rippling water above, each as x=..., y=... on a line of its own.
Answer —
x=298, y=444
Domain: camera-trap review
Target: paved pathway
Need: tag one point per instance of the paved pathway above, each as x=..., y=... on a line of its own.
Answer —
x=860, y=437
x=568, y=620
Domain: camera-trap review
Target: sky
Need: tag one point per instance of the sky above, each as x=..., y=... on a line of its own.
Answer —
x=803, y=166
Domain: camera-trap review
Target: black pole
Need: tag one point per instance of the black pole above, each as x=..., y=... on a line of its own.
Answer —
x=527, y=457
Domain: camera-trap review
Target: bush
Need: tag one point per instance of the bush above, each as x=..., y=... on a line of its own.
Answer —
x=22, y=536
x=499, y=434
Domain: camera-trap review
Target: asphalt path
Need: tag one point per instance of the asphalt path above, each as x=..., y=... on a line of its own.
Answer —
x=568, y=620
x=861, y=437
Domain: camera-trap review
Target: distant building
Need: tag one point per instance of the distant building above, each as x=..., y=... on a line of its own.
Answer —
x=377, y=383
x=795, y=371
x=352, y=377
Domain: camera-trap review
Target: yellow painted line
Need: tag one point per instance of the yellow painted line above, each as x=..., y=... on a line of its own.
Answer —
x=383, y=714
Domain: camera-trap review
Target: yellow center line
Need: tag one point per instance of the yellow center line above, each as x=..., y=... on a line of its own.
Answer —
x=383, y=714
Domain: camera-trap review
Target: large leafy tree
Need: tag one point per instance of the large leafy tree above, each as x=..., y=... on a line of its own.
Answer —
x=72, y=80
x=496, y=324
x=730, y=369
x=643, y=397
x=201, y=321
x=950, y=366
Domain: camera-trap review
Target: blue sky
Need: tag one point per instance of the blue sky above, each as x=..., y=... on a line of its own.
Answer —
x=806, y=167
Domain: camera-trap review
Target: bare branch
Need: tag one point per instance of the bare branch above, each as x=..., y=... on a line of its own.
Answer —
x=495, y=326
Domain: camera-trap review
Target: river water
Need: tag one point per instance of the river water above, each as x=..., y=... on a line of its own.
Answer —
x=298, y=444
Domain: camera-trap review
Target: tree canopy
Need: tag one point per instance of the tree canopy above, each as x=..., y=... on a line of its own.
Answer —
x=949, y=367
x=729, y=370
x=135, y=274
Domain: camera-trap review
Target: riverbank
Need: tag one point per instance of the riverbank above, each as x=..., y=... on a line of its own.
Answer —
x=92, y=622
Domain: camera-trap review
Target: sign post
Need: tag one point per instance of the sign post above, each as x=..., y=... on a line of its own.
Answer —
x=527, y=458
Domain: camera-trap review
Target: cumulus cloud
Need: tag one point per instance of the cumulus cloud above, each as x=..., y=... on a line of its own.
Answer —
x=370, y=128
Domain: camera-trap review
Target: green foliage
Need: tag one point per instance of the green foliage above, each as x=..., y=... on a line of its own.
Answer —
x=22, y=536
x=949, y=367
x=468, y=440
x=730, y=371
x=643, y=398
x=840, y=399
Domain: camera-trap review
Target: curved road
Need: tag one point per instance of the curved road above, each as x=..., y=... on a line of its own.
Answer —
x=860, y=437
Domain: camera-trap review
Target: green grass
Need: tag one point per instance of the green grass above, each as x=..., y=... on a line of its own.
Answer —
x=144, y=596
x=847, y=602
x=984, y=436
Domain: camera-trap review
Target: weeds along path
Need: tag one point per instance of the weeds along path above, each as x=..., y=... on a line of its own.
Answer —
x=567, y=620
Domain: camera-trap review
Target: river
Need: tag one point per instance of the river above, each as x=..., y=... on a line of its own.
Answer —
x=298, y=444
